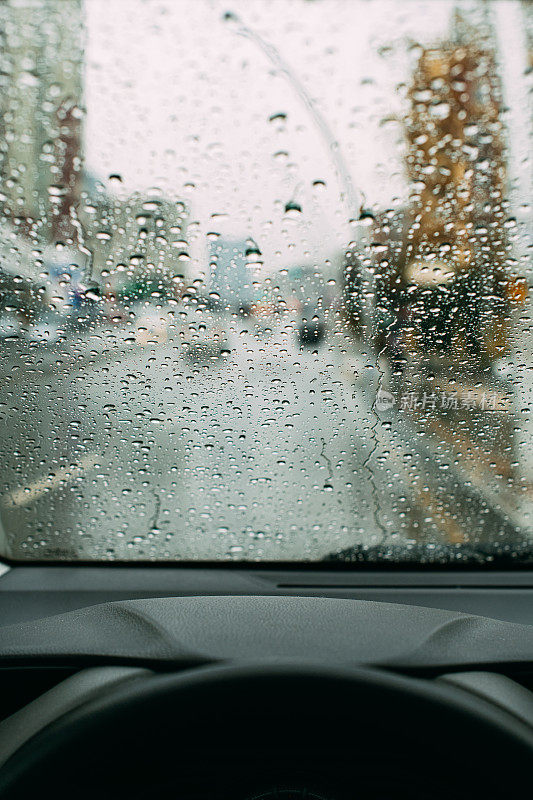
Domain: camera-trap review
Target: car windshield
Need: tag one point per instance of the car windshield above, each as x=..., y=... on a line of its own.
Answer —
x=264, y=281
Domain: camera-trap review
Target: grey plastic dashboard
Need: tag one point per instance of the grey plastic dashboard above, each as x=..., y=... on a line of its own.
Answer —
x=187, y=631
x=146, y=615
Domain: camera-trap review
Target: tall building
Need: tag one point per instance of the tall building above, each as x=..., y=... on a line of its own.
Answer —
x=46, y=198
x=456, y=158
x=231, y=277
x=41, y=114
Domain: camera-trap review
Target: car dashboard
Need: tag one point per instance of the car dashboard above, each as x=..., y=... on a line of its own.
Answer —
x=249, y=682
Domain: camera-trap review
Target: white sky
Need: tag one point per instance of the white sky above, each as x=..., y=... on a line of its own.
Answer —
x=177, y=100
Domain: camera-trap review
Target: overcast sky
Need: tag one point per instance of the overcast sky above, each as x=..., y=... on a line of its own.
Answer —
x=177, y=100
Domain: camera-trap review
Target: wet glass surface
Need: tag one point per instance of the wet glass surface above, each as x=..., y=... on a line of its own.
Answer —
x=264, y=280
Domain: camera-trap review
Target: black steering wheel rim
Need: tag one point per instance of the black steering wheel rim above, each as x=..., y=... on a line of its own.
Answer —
x=290, y=705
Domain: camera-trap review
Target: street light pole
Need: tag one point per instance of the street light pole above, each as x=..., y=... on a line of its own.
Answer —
x=352, y=197
x=349, y=193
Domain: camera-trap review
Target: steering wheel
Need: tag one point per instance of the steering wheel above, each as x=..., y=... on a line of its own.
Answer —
x=285, y=730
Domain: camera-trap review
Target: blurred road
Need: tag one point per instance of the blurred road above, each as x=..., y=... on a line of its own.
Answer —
x=259, y=453
x=274, y=452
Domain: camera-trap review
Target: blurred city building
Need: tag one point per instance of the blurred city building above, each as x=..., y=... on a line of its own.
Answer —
x=232, y=275
x=62, y=229
x=439, y=270
x=41, y=115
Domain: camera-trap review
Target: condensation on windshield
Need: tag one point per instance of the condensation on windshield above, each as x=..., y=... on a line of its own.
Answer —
x=264, y=280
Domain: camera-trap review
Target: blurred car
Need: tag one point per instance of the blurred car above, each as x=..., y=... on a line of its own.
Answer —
x=205, y=337
x=151, y=327
x=48, y=329
x=10, y=328
x=113, y=311
x=312, y=327
x=263, y=315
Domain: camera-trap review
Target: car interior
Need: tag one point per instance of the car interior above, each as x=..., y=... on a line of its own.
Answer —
x=266, y=399
x=141, y=681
